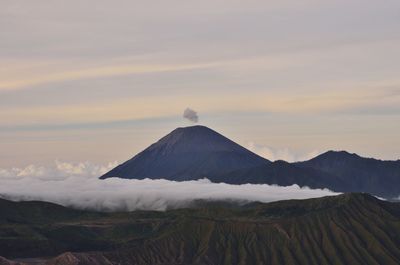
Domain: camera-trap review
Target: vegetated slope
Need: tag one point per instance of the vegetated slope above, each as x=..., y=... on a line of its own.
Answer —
x=358, y=174
x=349, y=229
x=186, y=154
x=344, y=229
x=31, y=229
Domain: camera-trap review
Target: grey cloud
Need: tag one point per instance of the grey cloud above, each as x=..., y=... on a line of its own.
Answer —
x=191, y=115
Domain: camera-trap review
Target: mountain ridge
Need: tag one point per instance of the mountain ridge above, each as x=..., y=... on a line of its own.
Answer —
x=345, y=153
x=359, y=174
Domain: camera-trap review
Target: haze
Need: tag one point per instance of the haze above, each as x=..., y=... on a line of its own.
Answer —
x=101, y=80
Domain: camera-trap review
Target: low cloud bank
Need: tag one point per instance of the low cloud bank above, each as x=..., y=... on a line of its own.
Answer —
x=78, y=186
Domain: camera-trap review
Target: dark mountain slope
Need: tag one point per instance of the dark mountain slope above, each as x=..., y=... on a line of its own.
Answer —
x=35, y=212
x=188, y=153
x=282, y=173
x=381, y=178
x=345, y=229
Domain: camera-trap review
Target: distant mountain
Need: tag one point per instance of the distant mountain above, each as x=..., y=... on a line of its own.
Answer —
x=199, y=152
x=337, y=171
x=282, y=173
x=355, y=229
x=186, y=154
x=358, y=174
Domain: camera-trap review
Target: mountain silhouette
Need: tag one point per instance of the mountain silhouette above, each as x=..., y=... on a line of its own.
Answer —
x=186, y=154
x=198, y=152
x=335, y=170
x=358, y=174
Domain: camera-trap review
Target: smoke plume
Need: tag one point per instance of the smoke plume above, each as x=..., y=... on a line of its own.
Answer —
x=191, y=115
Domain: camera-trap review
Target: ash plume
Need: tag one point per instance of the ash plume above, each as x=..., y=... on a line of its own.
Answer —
x=190, y=115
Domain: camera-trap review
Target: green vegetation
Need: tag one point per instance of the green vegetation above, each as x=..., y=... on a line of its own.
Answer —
x=344, y=229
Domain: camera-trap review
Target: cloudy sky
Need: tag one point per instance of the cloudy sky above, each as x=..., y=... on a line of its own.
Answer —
x=100, y=80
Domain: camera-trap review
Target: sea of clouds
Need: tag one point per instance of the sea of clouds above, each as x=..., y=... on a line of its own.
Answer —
x=77, y=185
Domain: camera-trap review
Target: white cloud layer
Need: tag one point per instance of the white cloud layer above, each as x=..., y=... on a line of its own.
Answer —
x=78, y=186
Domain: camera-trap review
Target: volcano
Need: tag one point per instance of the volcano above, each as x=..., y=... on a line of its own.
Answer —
x=197, y=152
x=188, y=153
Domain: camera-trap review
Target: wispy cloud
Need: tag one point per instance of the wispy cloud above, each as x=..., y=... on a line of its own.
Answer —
x=93, y=72
x=285, y=154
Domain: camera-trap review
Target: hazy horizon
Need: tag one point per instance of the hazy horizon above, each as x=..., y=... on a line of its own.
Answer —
x=99, y=81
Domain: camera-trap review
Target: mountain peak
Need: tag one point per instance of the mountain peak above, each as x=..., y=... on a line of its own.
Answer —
x=337, y=155
x=194, y=127
x=188, y=153
x=195, y=139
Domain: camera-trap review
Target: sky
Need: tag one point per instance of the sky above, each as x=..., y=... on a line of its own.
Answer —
x=99, y=80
